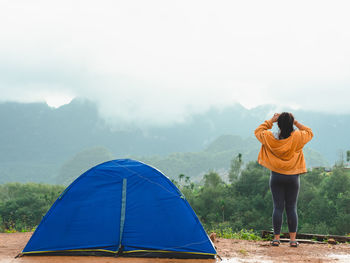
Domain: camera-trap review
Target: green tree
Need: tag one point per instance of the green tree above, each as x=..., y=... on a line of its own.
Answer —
x=338, y=182
x=254, y=180
x=235, y=168
x=23, y=205
x=212, y=179
x=181, y=177
x=209, y=199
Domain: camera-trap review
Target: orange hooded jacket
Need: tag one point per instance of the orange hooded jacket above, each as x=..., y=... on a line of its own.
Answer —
x=283, y=156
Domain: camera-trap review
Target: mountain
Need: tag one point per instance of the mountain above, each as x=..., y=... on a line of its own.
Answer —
x=36, y=140
x=218, y=156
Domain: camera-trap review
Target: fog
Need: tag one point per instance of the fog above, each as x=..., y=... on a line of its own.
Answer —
x=161, y=61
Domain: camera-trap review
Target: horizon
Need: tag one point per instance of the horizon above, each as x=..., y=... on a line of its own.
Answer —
x=272, y=108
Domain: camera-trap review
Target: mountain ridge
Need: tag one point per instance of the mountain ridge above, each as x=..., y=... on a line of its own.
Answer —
x=36, y=135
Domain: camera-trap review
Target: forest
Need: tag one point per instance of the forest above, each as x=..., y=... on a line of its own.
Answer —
x=246, y=202
x=242, y=202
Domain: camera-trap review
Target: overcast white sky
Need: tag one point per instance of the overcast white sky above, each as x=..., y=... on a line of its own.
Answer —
x=162, y=60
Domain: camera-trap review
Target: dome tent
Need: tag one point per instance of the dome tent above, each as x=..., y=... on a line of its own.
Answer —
x=121, y=208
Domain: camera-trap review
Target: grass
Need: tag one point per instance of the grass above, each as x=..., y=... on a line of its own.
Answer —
x=22, y=230
x=243, y=252
x=11, y=230
x=244, y=234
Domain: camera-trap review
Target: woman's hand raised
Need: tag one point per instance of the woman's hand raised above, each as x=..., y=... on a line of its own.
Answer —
x=275, y=117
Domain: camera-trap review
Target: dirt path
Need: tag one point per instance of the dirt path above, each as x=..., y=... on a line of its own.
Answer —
x=261, y=251
x=230, y=250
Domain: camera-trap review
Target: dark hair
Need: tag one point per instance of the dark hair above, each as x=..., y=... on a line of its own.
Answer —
x=285, y=122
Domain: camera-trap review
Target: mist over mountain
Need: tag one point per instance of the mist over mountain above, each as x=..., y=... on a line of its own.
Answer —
x=37, y=140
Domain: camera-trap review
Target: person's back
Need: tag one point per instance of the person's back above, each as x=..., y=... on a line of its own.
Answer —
x=284, y=157
x=284, y=154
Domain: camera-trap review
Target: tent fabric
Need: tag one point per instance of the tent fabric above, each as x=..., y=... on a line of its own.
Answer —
x=122, y=207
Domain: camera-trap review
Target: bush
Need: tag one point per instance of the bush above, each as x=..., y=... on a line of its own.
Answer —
x=22, y=206
x=243, y=234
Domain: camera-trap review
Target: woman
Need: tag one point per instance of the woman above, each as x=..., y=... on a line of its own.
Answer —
x=283, y=155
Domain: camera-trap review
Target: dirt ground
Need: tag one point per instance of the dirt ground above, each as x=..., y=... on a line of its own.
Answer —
x=231, y=251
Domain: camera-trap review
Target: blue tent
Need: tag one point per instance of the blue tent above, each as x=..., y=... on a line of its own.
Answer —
x=122, y=208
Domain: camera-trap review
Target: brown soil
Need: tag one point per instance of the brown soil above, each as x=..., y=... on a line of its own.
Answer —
x=230, y=250
x=261, y=251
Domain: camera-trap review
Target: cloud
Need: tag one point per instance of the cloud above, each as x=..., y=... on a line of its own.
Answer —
x=160, y=61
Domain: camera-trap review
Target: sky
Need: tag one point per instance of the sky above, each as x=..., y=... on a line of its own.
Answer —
x=161, y=61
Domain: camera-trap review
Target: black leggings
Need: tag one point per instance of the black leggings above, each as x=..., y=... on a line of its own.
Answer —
x=285, y=189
